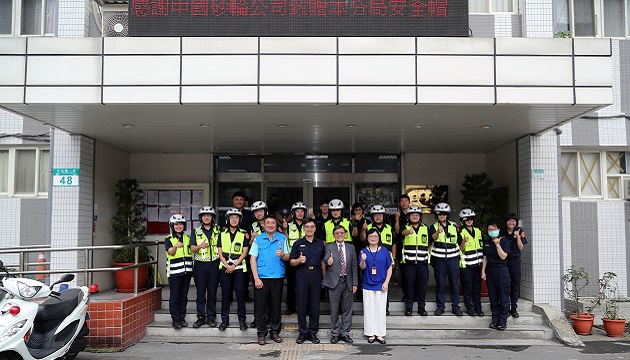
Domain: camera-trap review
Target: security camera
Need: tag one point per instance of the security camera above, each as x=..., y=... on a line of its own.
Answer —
x=558, y=131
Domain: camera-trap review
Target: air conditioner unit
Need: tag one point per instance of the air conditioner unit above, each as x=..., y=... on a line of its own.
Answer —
x=626, y=188
x=115, y=24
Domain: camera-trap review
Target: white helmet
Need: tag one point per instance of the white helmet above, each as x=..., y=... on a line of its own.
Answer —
x=233, y=211
x=260, y=205
x=414, y=209
x=442, y=208
x=299, y=205
x=207, y=210
x=335, y=204
x=377, y=209
x=466, y=214
x=177, y=219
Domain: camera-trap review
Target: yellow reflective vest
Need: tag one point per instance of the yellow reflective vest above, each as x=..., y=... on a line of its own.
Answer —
x=232, y=250
x=445, y=246
x=294, y=232
x=181, y=262
x=330, y=225
x=473, y=253
x=386, y=233
x=416, y=246
x=211, y=253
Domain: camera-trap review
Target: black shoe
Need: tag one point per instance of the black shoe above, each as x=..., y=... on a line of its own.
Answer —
x=314, y=339
x=408, y=312
x=480, y=313
x=439, y=312
x=492, y=326
x=176, y=325
x=249, y=299
x=289, y=312
x=458, y=312
x=501, y=327
x=223, y=326
x=334, y=339
x=199, y=323
x=347, y=339
x=183, y=323
x=423, y=312
x=471, y=312
x=212, y=323
x=514, y=313
x=253, y=325
x=242, y=325
x=300, y=339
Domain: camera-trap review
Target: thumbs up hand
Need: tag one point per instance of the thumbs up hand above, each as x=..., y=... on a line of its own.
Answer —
x=363, y=256
x=330, y=260
x=279, y=251
x=302, y=258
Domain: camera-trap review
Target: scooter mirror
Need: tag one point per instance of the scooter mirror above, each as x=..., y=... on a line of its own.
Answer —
x=1, y=265
x=65, y=278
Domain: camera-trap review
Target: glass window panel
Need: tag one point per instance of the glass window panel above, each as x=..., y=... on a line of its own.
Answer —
x=501, y=5
x=569, y=174
x=31, y=17
x=6, y=16
x=25, y=171
x=478, y=6
x=615, y=163
x=590, y=176
x=370, y=194
x=4, y=170
x=561, y=15
x=51, y=16
x=44, y=161
x=584, y=18
x=239, y=163
x=386, y=163
x=614, y=187
x=613, y=18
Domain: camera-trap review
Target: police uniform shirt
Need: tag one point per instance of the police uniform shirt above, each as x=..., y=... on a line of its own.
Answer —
x=432, y=231
x=232, y=237
x=313, y=251
x=514, y=251
x=491, y=253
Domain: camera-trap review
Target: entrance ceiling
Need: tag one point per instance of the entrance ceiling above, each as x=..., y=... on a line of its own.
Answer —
x=204, y=128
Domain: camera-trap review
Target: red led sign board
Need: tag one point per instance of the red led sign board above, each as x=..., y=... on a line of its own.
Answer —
x=298, y=18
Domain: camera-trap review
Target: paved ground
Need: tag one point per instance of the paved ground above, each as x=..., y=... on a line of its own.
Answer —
x=598, y=346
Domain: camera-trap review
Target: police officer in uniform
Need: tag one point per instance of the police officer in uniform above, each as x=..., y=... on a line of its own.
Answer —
x=444, y=239
x=495, y=271
x=179, y=269
x=336, y=207
x=517, y=239
x=233, y=246
x=386, y=233
x=307, y=256
x=415, y=257
x=294, y=230
x=203, y=244
x=472, y=257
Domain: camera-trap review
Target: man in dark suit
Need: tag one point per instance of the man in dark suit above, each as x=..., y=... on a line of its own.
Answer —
x=341, y=280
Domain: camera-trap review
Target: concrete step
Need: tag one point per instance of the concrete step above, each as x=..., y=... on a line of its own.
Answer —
x=397, y=331
x=395, y=318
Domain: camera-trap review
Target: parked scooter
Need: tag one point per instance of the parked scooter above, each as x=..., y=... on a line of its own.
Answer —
x=53, y=329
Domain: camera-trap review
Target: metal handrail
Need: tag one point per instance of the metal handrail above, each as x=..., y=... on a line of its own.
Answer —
x=87, y=271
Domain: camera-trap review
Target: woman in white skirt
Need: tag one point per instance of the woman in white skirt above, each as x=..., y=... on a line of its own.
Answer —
x=376, y=263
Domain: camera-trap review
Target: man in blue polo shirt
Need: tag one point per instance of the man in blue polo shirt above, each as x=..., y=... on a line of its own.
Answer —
x=269, y=251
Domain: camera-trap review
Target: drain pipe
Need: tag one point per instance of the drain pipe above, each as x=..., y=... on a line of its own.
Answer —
x=558, y=132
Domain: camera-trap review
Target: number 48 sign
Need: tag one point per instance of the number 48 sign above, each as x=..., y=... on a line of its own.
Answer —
x=66, y=177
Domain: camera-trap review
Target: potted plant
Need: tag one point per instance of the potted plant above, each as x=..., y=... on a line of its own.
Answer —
x=614, y=324
x=128, y=228
x=575, y=280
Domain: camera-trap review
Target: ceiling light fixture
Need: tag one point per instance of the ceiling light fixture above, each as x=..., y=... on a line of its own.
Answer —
x=351, y=125
x=418, y=126
x=486, y=126
x=203, y=125
x=127, y=126
x=282, y=126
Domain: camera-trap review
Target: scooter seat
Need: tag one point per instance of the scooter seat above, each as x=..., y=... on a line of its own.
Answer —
x=58, y=307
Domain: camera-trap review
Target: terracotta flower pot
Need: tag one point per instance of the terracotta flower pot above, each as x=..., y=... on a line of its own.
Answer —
x=582, y=325
x=614, y=328
x=124, y=278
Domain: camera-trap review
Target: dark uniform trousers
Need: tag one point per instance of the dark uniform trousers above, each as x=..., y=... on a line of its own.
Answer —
x=308, y=292
x=230, y=283
x=514, y=266
x=207, y=276
x=498, y=281
x=178, y=286
x=267, y=306
x=443, y=269
x=416, y=277
x=290, y=272
x=471, y=283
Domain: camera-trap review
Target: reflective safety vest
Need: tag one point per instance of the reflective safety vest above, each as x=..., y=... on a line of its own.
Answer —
x=416, y=246
x=387, y=235
x=232, y=250
x=211, y=253
x=445, y=246
x=294, y=233
x=182, y=261
x=329, y=226
x=257, y=228
x=473, y=253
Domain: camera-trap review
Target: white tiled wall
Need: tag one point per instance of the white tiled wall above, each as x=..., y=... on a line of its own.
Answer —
x=612, y=242
x=538, y=211
x=612, y=132
x=566, y=235
x=566, y=138
x=10, y=228
x=503, y=25
x=615, y=108
x=537, y=17
x=73, y=18
x=72, y=206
